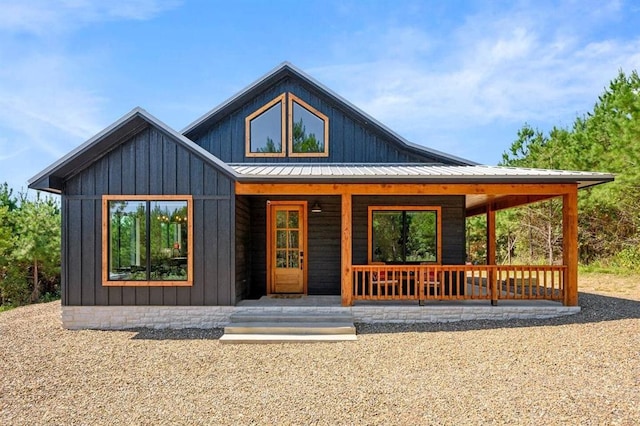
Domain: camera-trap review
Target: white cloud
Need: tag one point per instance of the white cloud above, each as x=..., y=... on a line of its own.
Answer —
x=507, y=68
x=49, y=16
x=50, y=99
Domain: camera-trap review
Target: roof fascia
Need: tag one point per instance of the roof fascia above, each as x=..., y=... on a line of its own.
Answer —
x=582, y=181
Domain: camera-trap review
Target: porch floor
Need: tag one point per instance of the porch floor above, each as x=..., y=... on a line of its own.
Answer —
x=335, y=301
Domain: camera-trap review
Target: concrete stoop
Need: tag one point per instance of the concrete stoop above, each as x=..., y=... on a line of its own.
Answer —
x=283, y=327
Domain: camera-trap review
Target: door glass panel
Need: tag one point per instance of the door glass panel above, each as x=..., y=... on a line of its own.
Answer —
x=281, y=259
x=281, y=219
x=293, y=259
x=281, y=239
x=293, y=219
x=293, y=239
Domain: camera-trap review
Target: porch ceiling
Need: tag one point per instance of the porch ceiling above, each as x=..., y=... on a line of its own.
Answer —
x=478, y=203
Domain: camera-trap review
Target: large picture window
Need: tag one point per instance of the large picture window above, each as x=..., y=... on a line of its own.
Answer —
x=147, y=241
x=289, y=118
x=400, y=235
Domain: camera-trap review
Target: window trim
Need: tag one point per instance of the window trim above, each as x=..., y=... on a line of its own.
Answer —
x=291, y=99
x=247, y=125
x=105, y=241
x=437, y=209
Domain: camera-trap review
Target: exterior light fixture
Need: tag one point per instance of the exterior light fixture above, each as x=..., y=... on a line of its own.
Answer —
x=316, y=208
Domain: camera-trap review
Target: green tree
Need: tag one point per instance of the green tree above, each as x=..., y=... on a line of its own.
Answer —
x=607, y=139
x=269, y=147
x=303, y=142
x=37, y=246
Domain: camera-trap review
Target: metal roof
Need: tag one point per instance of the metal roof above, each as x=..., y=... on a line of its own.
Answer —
x=427, y=173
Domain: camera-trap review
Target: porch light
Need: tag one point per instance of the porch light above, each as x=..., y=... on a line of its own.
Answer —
x=316, y=208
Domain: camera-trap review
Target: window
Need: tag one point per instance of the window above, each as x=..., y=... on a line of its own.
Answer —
x=308, y=130
x=147, y=241
x=265, y=130
x=305, y=128
x=404, y=234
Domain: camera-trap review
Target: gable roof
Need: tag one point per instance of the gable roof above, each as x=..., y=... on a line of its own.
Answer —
x=53, y=177
x=287, y=69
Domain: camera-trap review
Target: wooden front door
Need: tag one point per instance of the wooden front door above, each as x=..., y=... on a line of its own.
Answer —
x=287, y=247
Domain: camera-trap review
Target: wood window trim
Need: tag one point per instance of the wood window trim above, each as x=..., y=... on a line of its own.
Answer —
x=247, y=125
x=291, y=99
x=105, y=241
x=437, y=209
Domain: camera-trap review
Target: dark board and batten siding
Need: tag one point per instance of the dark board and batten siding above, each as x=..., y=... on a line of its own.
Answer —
x=350, y=140
x=243, y=259
x=150, y=162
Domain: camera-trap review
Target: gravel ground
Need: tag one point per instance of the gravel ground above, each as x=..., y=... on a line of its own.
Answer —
x=583, y=369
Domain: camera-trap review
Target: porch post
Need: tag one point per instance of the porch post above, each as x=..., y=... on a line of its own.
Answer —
x=491, y=253
x=347, y=284
x=570, y=246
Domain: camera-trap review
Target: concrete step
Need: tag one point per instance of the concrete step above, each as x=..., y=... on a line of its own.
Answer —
x=286, y=338
x=290, y=317
x=278, y=326
x=297, y=328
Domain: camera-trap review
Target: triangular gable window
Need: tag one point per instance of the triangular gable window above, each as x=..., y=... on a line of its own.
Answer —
x=265, y=130
x=307, y=129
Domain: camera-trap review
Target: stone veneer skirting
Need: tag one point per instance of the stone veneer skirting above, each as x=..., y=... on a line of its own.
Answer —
x=178, y=317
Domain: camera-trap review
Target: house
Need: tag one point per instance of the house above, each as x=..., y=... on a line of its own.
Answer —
x=285, y=188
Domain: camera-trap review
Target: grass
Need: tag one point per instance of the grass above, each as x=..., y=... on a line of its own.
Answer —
x=6, y=307
x=611, y=283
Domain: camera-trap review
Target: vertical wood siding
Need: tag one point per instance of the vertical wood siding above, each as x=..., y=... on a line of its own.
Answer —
x=151, y=162
x=350, y=140
x=243, y=248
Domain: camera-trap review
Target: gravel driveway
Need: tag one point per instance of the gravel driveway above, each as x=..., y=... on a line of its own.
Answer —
x=583, y=369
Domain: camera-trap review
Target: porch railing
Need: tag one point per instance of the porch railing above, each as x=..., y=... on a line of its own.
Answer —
x=458, y=282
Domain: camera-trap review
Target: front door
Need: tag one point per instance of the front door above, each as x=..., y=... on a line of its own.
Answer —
x=287, y=244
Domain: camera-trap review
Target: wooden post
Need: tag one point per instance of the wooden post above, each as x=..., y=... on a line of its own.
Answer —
x=570, y=246
x=347, y=279
x=492, y=282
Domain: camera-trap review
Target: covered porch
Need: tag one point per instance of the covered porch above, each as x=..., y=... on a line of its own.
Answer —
x=372, y=282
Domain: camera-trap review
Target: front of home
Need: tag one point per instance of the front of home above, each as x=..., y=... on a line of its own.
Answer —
x=286, y=188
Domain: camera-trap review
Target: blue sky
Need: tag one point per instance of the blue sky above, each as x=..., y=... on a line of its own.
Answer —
x=458, y=76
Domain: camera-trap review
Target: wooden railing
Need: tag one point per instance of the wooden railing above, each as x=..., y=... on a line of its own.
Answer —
x=458, y=282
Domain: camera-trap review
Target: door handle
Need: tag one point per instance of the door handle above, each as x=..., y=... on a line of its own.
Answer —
x=301, y=260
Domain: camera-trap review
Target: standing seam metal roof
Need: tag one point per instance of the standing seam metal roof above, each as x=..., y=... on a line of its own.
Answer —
x=420, y=172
